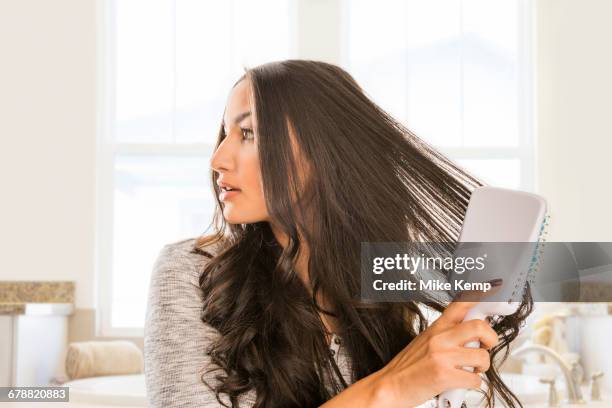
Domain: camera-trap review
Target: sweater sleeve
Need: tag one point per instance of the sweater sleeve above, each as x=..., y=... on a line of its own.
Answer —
x=176, y=339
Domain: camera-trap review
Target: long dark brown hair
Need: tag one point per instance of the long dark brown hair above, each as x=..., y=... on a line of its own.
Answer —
x=369, y=179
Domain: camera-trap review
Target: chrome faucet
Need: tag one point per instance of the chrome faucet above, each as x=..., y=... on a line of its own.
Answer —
x=574, y=393
x=553, y=399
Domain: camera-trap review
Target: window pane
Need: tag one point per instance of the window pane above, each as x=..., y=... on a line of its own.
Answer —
x=504, y=173
x=215, y=41
x=157, y=200
x=144, y=85
x=263, y=32
x=406, y=56
x=434, y=71
x=176, y=61
x=375, y=61
x=490, y=69
x=203, y=54
x=447, y=68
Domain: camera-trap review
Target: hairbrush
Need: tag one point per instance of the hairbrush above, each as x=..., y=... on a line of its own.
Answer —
x=497, y=215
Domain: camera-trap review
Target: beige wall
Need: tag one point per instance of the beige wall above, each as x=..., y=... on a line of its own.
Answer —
x=48, y=125
x=574, y=112
x=47, y=145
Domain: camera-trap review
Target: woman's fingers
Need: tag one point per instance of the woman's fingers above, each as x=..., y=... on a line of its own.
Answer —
x=455, y=312
x=468, y=357
x=472, y=330
x=464, y=379
x=466, y=300
x=463, y=333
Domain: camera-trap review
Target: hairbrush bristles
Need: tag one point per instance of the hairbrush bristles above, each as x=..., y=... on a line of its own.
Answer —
x=536, y=259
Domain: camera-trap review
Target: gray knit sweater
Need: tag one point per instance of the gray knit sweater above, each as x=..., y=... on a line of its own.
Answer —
x=176, y=339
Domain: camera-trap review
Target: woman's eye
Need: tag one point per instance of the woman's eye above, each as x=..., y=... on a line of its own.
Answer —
x=247, y=134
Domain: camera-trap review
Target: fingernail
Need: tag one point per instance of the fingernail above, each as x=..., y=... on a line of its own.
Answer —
x=496, y=282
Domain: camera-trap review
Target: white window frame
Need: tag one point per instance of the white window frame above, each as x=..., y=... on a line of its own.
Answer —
x=305, y=34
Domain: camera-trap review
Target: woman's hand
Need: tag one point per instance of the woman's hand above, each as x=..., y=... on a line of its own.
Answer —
x=433, y=361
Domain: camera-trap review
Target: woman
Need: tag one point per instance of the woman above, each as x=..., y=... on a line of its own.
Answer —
x=265, y=312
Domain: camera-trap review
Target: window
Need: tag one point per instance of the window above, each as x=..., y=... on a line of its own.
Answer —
x=169, y=65
x=456, y=72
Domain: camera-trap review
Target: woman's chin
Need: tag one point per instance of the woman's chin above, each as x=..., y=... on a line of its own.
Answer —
x=233, y=217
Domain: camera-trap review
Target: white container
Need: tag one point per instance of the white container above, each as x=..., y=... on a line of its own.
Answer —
x=33, y=344
x=592, y=337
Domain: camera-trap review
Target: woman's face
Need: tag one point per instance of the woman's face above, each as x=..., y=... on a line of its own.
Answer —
x=236, y=161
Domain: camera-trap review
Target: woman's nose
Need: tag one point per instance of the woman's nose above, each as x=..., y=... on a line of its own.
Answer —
x=223, y=158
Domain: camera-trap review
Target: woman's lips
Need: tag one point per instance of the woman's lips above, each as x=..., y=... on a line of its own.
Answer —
x=226, y=195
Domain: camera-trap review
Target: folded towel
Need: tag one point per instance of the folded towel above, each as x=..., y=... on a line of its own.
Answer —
x=96, y=358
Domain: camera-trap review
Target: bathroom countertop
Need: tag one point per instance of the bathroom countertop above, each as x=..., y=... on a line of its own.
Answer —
x=12, y=308
x=36, y=297
x=596, y=291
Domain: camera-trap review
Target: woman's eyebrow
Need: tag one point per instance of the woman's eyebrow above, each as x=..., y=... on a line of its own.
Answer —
x=241, y=116
x=238, y=118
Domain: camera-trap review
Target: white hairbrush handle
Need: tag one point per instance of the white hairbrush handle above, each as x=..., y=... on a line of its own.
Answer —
x=453, y=398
